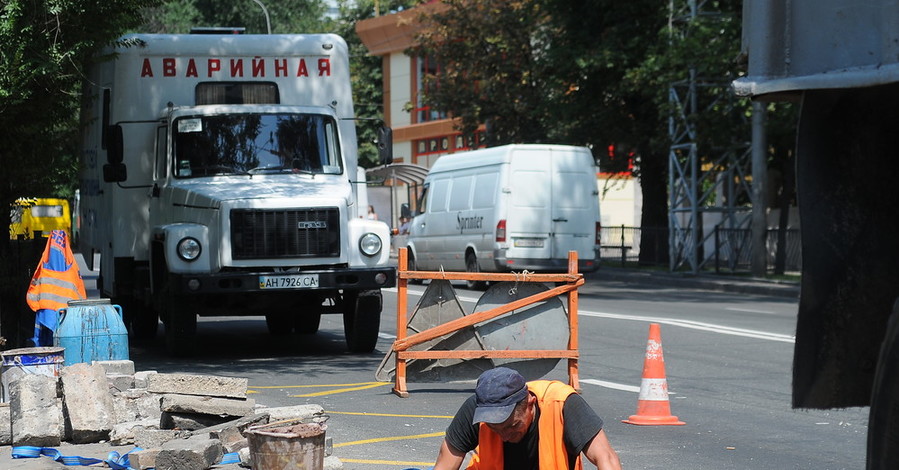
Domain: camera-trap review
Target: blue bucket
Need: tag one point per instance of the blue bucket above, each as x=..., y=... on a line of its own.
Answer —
x=91, y=330
x=40, y=361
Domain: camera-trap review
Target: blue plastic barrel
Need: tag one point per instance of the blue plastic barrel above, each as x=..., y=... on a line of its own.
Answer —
x=91, y=330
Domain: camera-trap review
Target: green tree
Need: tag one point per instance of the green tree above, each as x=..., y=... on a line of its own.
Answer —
x=43, y=46
x=491, y=67
x=366, y=73
x=594, y=73
x=284, y=16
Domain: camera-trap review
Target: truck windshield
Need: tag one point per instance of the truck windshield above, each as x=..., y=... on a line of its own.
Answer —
x=242, y=144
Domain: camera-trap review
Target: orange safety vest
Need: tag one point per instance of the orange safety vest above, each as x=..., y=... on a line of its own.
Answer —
x=51, y=289
x=551, y=395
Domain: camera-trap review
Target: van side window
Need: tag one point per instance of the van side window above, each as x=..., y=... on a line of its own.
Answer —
x=485, y=189
x=422, y=205
x=461, y=193
x=439, y=193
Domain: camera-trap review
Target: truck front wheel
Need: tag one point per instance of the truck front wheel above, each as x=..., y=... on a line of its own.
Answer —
x=362, y=320
x=141, y=320
x=180, y=319
x=883, y=423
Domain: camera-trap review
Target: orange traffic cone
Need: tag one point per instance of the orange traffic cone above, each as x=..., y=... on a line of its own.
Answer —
x=652, y=405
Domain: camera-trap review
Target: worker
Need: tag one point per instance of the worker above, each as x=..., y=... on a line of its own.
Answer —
x=513, y=424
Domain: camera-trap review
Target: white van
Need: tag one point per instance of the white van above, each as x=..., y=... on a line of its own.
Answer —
x=510, y=208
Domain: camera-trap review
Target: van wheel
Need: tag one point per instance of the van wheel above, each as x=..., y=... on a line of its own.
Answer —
x=471, y=265
x=410, y=265
x=362, y=320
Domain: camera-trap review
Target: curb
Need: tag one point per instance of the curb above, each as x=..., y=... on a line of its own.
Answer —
x=720, y=283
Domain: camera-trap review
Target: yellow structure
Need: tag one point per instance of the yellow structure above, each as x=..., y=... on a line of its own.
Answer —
x=31, y=215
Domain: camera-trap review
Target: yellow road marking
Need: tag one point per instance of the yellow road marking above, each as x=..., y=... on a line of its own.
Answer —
x=323, y=385
x=341, y=390
x=361, y=413
x=387, y=439
x=388, y=462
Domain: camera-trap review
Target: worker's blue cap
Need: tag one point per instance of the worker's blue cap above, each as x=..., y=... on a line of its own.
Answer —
x=497, y=393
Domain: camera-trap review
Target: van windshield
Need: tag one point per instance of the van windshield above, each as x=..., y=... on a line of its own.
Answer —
x=229, y=144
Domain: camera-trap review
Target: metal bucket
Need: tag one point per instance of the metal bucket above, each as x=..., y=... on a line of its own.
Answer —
x=41, y=361
x=287, y=444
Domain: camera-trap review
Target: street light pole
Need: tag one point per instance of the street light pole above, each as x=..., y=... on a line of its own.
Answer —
x=268, y=22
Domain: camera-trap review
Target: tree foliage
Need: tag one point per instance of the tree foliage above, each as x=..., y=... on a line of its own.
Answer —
x=284, y=16
x=594, y=73
x=43, y=45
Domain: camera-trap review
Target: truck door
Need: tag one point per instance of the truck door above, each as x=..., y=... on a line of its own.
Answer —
x=575, y=203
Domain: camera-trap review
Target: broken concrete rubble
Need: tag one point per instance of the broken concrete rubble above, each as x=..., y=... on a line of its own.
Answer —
x=180, y=421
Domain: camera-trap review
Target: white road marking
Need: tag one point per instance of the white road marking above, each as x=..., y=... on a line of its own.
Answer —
x=613, y=385
x=690, y=324
x=749, y=310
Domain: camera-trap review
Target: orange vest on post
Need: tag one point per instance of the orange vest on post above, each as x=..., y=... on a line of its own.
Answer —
x=551, y=397
x=56, y=280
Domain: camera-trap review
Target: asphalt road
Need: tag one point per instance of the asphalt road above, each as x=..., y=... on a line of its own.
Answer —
x=728, y=359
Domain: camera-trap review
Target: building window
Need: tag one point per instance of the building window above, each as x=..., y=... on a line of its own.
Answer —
x=425, y=66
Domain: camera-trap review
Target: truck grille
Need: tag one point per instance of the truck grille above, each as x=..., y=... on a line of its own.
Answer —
x=291, y=233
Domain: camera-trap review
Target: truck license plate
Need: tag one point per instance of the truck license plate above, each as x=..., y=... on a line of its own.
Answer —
x=529, y=242
x=289, y=281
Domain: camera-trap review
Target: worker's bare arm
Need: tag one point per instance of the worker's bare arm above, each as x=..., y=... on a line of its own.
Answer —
x=449, y=458
x=600, y=452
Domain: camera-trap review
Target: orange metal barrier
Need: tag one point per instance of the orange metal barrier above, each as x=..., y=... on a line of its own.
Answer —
x=572, y=280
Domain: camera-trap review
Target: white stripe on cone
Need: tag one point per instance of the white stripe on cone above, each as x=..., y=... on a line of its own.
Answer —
x=653, y=389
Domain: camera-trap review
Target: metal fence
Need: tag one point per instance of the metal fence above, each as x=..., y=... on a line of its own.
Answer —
x=729, y=250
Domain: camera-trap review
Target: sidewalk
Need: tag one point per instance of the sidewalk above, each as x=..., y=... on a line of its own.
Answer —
x=712, y=282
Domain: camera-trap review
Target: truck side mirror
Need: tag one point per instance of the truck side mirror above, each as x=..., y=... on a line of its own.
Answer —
x=385, y=145
x=114, y=144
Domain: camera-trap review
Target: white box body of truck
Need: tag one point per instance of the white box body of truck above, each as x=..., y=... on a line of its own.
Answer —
x=510, y=208
x=220, y=178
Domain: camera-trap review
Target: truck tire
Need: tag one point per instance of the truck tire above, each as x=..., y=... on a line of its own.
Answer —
x=141, y=321
x=362, y=320
x=307, y=324
x=279, y=323
x=883, y=422
x=180, y=322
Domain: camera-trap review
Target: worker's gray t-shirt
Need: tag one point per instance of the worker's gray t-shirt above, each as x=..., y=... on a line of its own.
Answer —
x=581, y=424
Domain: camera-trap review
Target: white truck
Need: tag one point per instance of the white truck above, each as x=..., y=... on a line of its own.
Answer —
x=513, y=207
x=219, y=177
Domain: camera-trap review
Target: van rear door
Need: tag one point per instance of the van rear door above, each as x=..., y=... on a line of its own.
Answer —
x=575, y=203
x=529, y=222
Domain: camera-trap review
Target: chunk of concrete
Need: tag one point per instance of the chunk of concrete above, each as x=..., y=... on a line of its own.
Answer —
x=123, y=433
x=136, y=404
x=177, y=403
x=143, y=459
x=187, y=384
x=35, y=412
x=5, y=425
x=147, y=438
x=88, y=404
x=189, y=454
x=117, y=367
x=190, y=421
x=280, y=413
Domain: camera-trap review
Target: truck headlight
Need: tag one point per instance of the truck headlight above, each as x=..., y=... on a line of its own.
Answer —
x=189, y=249
x=370, y=244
